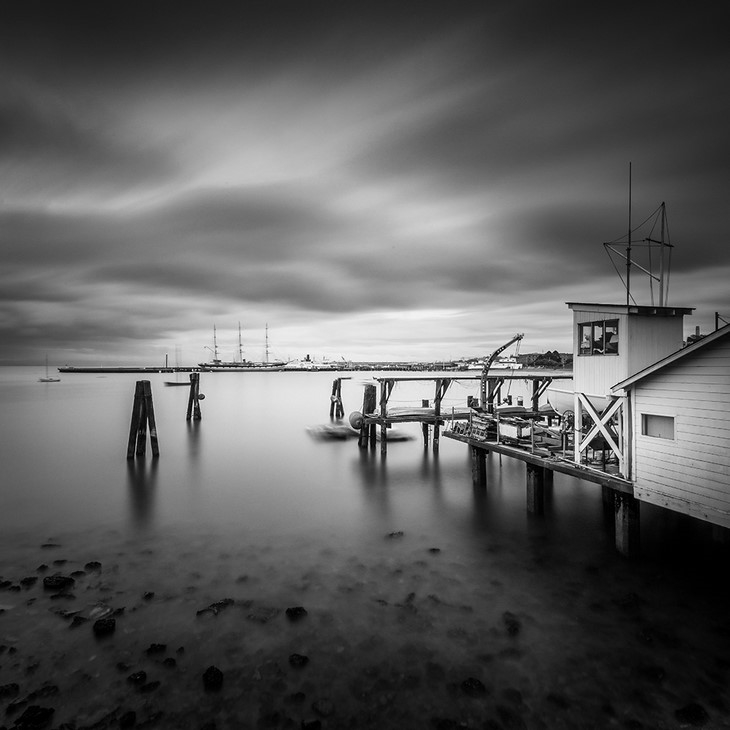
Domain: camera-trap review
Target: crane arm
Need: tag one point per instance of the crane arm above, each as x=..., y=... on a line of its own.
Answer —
x=487, y=364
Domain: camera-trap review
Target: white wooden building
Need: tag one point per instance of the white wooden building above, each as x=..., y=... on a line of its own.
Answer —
x=679, y=433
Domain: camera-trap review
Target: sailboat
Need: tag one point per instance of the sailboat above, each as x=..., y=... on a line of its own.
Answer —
x=48, y=378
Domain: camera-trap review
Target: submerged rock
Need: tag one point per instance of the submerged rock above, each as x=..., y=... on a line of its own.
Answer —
x=212, y=679
x=104, y=626
x=295, y=613
x=473, y=687
x=298, y=660
x=34, y=717
x=58, y=582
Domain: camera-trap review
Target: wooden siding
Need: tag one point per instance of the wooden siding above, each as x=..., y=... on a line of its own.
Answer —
x=690, y=473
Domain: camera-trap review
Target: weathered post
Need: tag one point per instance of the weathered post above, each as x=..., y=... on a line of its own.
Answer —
x=194, y=398
x=367, y=432
x=478, y=466
x=143, y=413
x=627, y=524
x=535, y=489
x=424, y=404
x=337, y=410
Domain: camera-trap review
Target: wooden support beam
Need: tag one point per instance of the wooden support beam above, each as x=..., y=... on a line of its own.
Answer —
x=535, y=489
x=626, y=515
x=478, y=467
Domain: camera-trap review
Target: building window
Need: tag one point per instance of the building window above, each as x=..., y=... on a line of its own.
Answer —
x=660, y=427
x=598, y=338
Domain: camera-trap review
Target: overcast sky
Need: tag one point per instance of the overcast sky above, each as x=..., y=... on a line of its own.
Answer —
x=408, y=180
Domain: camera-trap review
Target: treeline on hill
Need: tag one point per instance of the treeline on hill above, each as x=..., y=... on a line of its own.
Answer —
x=550, y=359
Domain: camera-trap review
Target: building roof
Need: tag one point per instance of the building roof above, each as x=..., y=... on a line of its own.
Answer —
x=718, y=334
x=635, y=309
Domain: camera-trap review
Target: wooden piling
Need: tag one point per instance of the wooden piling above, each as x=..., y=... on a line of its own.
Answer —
x=425, y=404
x=478, y=467
x=143, y=415
x=626, y=511
x=194, y=398
x=535, y=489
x=367, y=432
x=337, y=410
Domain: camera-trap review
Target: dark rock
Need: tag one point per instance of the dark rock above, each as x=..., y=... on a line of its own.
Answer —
x=692, y=714
x=58, y=582
x=180, y=650
x=296, y=612
x=5, y=583
x=149, y=595
x=128, y=719
x=155, y=649
x=77, y=621
x=29, y=581
x=93, y=565
x=34, y=718
x=104, y=626
x=434, y=550
x=473, y=687
x=512, y=623
x=298, y=660
x=149, y=687
x=78, y=574
x=311, y=724
x=137, y=678
x=323, y=707
x=216, y=607
x=212, y=679
x=60, y=561
x=15, y=589
x=42, y=568
x=9, y=690
x=170, y=662
x=395, y=535
x=50, y=545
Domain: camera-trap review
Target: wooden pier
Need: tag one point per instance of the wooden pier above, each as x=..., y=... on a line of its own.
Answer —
x=436, y=415
x=488, y=428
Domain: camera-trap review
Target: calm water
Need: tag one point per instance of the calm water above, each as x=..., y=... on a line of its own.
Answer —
x=247, y=505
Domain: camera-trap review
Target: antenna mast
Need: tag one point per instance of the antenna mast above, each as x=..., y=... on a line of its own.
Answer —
x=240, y=344
x=628, y=249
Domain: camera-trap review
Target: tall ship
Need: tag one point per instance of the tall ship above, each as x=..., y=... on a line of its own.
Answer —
x=216, y=364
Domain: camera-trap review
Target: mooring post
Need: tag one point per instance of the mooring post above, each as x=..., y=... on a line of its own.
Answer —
x=478, y=466
x=143, y=413
x=337, y=410
x=535, y=489
x=627, y=524
x=194, y=398
x=424, y=404
x=367, y=431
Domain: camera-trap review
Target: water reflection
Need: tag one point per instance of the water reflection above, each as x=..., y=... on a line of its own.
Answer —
x=142, y=482
x=194, y=443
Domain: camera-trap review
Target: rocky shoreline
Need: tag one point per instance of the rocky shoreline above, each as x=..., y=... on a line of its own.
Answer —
x=94, y=646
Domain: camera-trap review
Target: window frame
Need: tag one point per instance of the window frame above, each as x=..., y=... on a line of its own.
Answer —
x=645, y=426
x=594, y=332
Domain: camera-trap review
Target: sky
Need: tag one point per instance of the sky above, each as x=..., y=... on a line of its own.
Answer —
x=370, y=181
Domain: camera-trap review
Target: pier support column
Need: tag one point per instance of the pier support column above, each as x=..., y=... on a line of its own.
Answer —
x=478, y=467
x=425, y=404
x=626, y=513
x=367, y=431
x=536, y=489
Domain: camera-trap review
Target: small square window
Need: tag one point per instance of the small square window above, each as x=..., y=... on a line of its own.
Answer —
x=660, y=427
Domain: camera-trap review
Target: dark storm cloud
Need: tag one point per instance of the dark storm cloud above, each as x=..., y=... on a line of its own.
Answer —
x=410, y=171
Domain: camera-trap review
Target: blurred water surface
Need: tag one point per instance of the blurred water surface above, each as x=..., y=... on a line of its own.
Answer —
x=246, y=501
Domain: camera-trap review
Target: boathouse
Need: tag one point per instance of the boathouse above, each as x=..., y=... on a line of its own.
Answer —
x=679, y=410
x=610, y=343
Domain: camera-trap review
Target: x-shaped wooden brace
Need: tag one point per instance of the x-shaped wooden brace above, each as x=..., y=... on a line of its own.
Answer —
x=600, y=424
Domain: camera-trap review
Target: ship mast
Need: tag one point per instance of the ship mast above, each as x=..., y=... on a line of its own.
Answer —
x=240, y=344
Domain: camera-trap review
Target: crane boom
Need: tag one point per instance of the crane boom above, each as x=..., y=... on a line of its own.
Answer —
x=487, y=364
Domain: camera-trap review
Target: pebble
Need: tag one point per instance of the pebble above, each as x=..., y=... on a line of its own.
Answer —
x=104, y=626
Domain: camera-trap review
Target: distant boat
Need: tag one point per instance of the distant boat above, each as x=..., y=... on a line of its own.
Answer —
x=48, y=378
